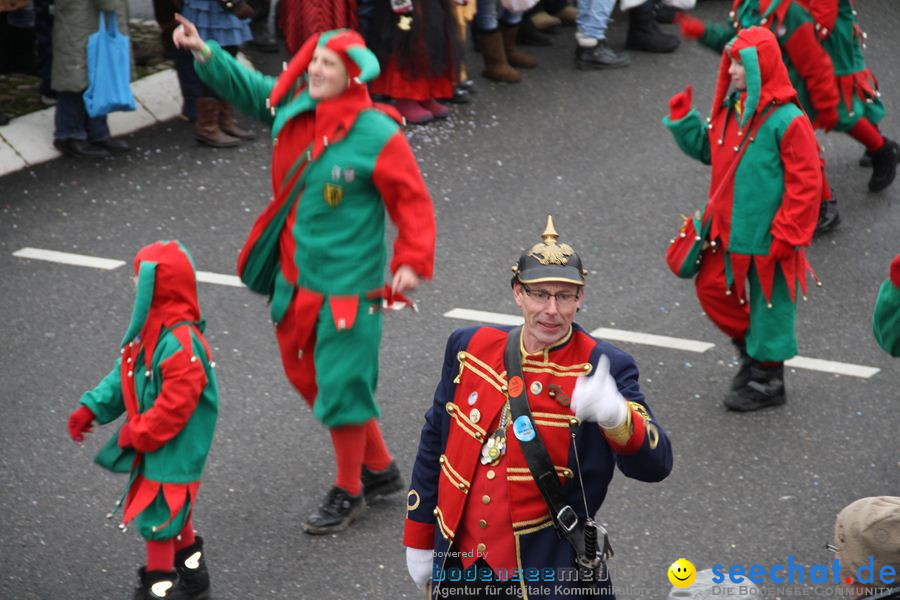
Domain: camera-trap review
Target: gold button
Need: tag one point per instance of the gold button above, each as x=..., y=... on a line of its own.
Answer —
x=486, y=499
x=482, y=523
x=462, y=486
x=442, y=459
x=491, y=474
x=481, y=548
x=434, y=512
x=478, y=436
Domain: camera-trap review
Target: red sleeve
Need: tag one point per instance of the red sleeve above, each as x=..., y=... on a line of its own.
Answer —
x=418, y=535
x=183, y=380
x=638, y=433
x=815, y=68
x=796, y=218
x=406, y=198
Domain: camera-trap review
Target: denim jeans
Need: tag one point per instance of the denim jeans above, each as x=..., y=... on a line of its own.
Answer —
x=593, y=17
x=73, y=122
x=486, y=16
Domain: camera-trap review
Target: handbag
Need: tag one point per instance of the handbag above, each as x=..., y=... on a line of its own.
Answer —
x=684, y=252
x=108, y=70
x=239, y=8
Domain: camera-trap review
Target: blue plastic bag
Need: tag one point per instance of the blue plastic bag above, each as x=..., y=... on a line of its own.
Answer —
x=108, y=69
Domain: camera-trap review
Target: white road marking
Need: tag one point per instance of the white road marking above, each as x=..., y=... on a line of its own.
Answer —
x=219, y=279
x=636, y=337
x=67, y=258
x=466, y=314
x=830, y=366
x=650, y=339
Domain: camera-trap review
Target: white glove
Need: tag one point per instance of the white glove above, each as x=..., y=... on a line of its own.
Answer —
x=596, y=398
x=418, y=563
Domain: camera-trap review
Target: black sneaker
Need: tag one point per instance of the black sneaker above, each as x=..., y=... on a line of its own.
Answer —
x=884, y=165
x=828, y=216
x=742, y=377
x=80, y=148
x=765, y=389
x=155, y=585
x=193, y=576
x=113, y=145
x=337, y=512
x=600, y=56
x=379, y=484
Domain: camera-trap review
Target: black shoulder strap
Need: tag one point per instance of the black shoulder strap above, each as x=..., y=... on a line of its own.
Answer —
x=539, y=463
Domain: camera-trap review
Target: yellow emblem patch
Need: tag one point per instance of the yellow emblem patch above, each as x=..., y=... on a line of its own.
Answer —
x=333, y=194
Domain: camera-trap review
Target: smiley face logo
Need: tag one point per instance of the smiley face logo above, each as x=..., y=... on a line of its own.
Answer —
x=682, y=573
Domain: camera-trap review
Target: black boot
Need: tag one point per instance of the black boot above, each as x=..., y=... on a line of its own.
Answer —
x=765, y=388
x=378, y=484
x=263, y=40
x=193, y=578
x=529, y=35
x=865, y=160
x=828, y=216
x=644, y=33
x=884, y=165
x=338, y=511
x=664, y=13
x=600, y=56
x=155, y=584
x=742, y=377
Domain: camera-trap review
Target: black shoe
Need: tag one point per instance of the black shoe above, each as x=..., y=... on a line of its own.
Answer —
x=765, y=389
x=338, y=511
x=113, y=145
x=600, y=56
x=664, y=13
x=155, y=585
x=193, y=577
x=3, y=119
x=80, y=148
x=460, y=96
x=884, y=165
x=468, y=85
x=742, y=377
x=828, y=216
x=644, y=33
x=865, y=160
x=529, y=35
x=379, y=484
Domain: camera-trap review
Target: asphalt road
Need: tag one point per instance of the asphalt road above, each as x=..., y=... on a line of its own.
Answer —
x=587, y=147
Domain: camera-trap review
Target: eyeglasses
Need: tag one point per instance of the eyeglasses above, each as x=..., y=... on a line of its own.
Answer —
x=832, y=548
x=543, y=296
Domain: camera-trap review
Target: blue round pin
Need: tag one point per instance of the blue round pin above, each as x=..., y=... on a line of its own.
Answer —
x=523, y=429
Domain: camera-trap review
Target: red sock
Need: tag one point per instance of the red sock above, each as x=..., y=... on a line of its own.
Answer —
x=770, y=364
x=161, y=555
x=867, y=134
x=349, y=447
x=185, y=537
x=377, y=457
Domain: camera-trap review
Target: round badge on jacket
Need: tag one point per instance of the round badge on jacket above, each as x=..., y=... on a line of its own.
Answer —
x=523, y=429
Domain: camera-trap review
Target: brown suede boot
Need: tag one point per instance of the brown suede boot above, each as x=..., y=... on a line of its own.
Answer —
x=229, y=125
x=206, y=128
x=516, y=57
x=496, y=67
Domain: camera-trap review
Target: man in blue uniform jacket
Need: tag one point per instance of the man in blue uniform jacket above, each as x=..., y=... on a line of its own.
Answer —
x=474, y=511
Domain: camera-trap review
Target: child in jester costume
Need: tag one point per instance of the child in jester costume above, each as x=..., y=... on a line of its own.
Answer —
x=886, y=316
x=164, y=383
x=764, y=195
x=317, y=250
x=833, y=85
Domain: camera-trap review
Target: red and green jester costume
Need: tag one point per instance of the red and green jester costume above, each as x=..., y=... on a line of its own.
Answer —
x=824, y=58
x=317, y=250
x=886, y=316
x=764, y=195
x=164, y=383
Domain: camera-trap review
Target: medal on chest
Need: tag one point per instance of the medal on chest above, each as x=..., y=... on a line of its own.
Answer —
x=495, y=446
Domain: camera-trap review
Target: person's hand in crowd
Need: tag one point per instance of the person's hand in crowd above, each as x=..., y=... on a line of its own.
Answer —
x=597, y=398
x=826, y=119
x=405, y=280
x=80, y=422
x=692, y=28
x=680, y=104
x=418, y=563
x=780, y=250
x=185, y=35
x=125, y=441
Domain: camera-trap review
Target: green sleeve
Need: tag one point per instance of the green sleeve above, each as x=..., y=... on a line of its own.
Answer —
x=717, y=35
x=886, y=318
x=105, y=400
x=690, y=135
x=246, y=88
